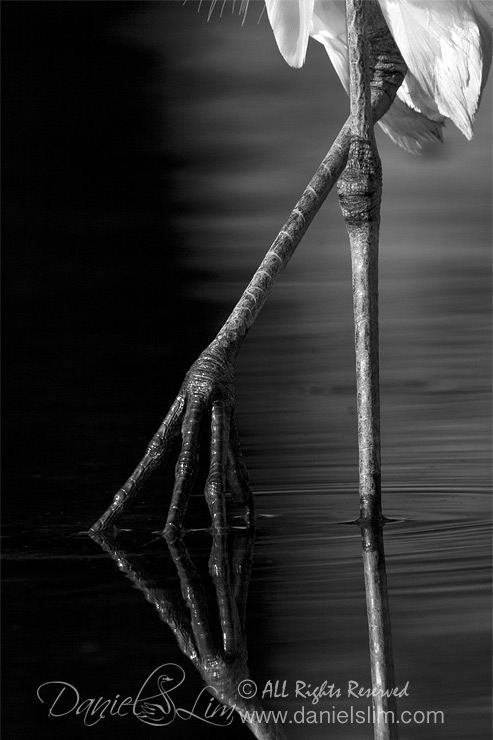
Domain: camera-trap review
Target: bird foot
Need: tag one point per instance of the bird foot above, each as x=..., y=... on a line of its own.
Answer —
x=207, y=393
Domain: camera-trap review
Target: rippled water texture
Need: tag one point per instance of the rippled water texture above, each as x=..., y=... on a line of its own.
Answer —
x=150, y=158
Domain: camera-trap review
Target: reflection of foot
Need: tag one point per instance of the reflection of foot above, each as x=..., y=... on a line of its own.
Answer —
x=222, y=666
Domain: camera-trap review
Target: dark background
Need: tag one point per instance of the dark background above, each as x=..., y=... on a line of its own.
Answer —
x=92, y=283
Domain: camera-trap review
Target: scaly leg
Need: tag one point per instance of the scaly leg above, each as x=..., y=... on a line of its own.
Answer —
x=360, y=189
x=208, y=384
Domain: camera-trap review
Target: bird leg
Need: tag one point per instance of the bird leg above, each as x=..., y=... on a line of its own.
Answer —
x=208, y=389
x=360, y=189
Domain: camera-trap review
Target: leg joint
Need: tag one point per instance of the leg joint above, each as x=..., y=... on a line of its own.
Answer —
x=360, y=185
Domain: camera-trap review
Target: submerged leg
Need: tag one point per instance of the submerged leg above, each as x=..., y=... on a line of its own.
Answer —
x=360, y=189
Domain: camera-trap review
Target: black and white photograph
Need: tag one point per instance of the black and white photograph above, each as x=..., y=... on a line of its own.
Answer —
x=247, y=342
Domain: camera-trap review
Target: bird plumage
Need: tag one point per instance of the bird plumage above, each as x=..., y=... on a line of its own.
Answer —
x=446, y=45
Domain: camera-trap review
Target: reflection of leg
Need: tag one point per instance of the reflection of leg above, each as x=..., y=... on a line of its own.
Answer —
x=223, y=668
x=359, y=193
x=241, y=567
x=379, y=631
x=193, y=594
x=219, y=568
x=171, y=610
x=231, y=581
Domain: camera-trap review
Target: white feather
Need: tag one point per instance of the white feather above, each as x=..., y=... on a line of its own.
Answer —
x=329, y=28
x=446, y=44
x=441, y=45
x=291, y=23
x=410, y=129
